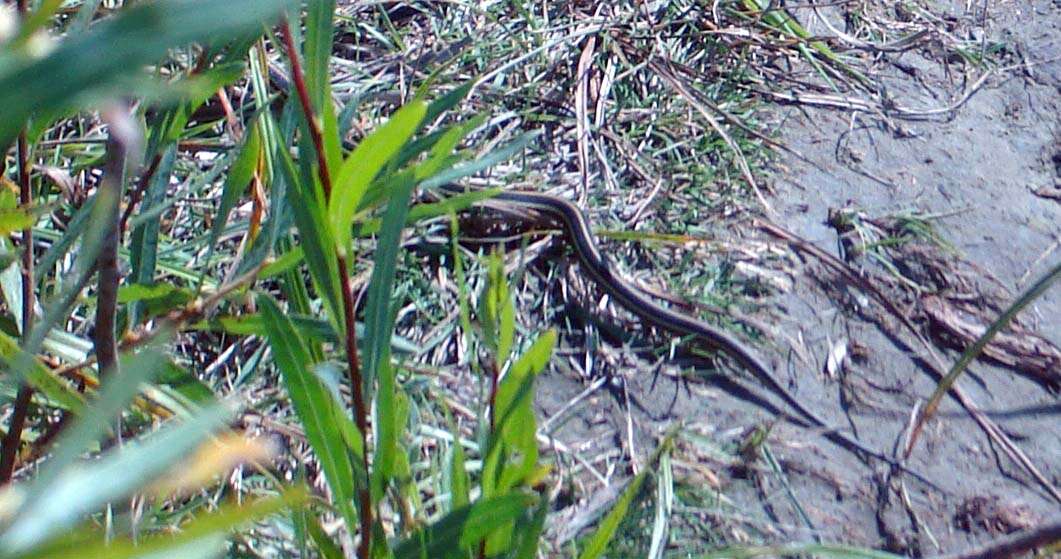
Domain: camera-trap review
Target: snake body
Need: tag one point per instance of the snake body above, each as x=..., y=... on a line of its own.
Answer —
x=600, y=269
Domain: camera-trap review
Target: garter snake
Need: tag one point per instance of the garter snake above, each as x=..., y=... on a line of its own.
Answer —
x=600, y=269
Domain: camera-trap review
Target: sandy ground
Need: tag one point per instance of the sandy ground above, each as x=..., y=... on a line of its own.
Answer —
x=978, y=167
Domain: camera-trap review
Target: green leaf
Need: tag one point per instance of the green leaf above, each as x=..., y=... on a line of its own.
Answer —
x=496, y=156
x=463, y=528
x=379, y=327
x=459, y=481
x=321, y=416
x=318, y=51
x=16, y=219
x=529, y=533
x=600, y=539
x=309, y=326
x=156, y=299
x=512, y=452
x=361, y=167
x=75, y=73
x=239, y=176
x=315, y=238
x=286, y=262
x=1026, y=298
x=497, y=313
x=327, y=548
x=42, y=379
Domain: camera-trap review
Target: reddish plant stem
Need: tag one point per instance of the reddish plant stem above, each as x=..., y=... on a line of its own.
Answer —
x=9, y=447
x=299, y=77
x=349, y=306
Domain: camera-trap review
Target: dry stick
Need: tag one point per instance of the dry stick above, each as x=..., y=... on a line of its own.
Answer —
x=354, y=369
x=122, y=141
x=9, y=447
x=1015, y=544
x=993, y=431
x=585, y=62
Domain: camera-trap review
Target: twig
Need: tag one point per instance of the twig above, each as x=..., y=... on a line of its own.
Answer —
x=1015, y=544
x=123, y=140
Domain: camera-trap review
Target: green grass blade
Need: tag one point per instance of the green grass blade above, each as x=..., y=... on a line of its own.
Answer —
x=144, y=240
x=598, y=542
x=379, y=325
x=1032, y=293
x=496, y=156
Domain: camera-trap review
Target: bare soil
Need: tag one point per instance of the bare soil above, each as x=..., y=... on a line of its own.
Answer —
x=986, y=170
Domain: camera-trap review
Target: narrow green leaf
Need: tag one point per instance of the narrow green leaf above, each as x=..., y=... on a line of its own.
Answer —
x=318, y=51
x=379, y=323
x=496, y=156
x=459, y=481
x=529, y=533
x=42, y=379
x=1026, y=298
x=143, y=255
x=327, y=548
x=320, y=414
x=314, y=234
x=497, y=313
x=239, y=176
x=212, y=526
x=361, y=167
x=600, y=539
x=308, y=326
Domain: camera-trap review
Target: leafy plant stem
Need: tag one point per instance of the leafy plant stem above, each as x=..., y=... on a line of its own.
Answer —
x=298, y=78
